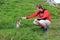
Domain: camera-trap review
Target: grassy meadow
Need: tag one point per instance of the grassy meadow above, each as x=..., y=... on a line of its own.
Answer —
x=11, y=10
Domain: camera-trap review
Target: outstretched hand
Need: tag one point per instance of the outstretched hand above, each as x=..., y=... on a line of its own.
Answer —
x=23, y=18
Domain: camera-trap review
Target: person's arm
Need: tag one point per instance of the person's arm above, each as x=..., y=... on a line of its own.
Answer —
x=33, y=15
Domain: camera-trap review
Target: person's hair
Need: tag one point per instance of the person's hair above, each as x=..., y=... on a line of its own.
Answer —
x=39, y=6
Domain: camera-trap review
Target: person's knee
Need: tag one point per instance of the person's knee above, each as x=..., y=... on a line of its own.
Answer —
x=42, y=23
x=36, y=23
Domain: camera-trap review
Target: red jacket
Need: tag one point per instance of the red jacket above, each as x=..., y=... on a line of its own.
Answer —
x=43, y=15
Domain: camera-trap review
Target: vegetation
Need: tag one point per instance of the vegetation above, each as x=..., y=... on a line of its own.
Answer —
x=11, y=10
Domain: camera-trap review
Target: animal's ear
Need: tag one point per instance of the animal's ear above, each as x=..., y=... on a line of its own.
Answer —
x=19, y=20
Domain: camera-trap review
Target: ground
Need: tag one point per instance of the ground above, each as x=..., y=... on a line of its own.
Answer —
x=11, y=10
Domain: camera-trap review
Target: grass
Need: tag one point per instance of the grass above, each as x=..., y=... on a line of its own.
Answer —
x=11, y=10
x=31, y=33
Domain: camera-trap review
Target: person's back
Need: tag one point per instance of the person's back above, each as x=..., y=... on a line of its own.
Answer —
x=45, y=14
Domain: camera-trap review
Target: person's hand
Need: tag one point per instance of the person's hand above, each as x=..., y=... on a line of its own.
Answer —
x=23, y=18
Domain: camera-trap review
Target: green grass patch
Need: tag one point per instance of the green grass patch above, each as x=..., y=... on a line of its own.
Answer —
x=11, y=10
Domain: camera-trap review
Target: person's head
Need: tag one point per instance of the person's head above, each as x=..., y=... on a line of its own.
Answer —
x=40, y=7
